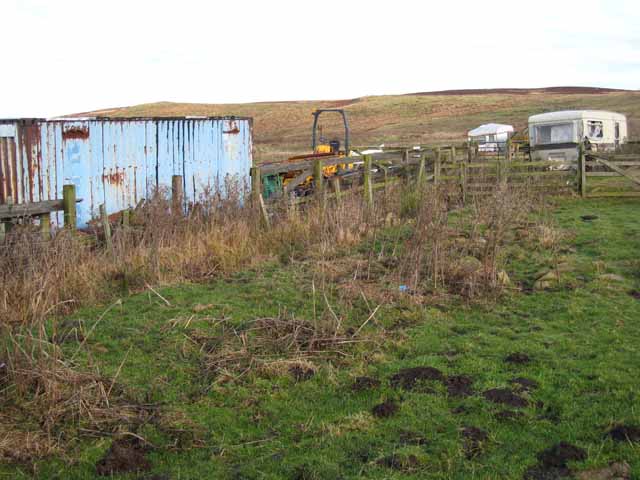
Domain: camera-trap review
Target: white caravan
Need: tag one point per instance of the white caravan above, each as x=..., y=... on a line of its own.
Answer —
x=556, y=135
x=490, y=137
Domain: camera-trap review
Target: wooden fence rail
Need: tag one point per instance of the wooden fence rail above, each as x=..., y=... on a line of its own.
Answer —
x=9, y=212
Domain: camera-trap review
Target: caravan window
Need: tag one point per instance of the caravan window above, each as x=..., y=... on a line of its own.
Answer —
x=595, y=129
x=560, y=133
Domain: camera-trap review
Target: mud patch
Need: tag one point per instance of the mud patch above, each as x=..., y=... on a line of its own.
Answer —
x=524, y=384
x=504, y=396
x=410, y=378
x=365, y=383
x=517, y=358
x=588, y=218
x=625, y=433
x=385, y=409
x=459, y=386
x=301, y=373
x=475, y=441
x=399, y=462
x=560, y=454
x=461, y=410
x=125, y=455
x=552, y=462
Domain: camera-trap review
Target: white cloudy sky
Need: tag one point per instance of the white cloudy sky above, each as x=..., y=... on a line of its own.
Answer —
x=64, y=56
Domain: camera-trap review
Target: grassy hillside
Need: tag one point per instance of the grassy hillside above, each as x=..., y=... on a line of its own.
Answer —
x=282, y=128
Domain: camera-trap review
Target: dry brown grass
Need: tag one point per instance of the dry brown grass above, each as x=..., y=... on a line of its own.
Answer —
x=284, y=128
x=42, y=280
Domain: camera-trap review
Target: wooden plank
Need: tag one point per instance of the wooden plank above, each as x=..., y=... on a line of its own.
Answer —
x=620, y=164
x=30, y=209
x=602, y=174
x=621, y=171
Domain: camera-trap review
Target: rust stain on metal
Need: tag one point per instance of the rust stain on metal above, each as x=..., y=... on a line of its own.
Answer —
x=114, y=178
x=75, y=133
x=233, y=129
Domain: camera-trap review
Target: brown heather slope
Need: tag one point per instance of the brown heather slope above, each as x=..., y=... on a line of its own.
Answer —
x=284, y=128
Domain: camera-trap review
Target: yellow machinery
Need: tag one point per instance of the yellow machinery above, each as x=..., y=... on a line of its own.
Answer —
x=300, y=182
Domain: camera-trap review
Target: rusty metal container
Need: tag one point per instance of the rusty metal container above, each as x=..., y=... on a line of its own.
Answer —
x=119, y=162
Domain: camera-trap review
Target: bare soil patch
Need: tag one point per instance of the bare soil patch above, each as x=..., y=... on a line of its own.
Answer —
x=301, y=373
x=518, y=358
x=399, y=462
x=552, y=462
x=385, y=409
x=459, y=386
x=524, y=384
x=409, y=378
x=504, y=396
x=625, y=433
x=365, y=383
x=475, y=440
x=125, y=455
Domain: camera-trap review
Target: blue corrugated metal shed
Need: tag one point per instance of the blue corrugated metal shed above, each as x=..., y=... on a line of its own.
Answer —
x=119, y=161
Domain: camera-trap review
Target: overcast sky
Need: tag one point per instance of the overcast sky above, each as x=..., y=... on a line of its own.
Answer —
x=66, y=56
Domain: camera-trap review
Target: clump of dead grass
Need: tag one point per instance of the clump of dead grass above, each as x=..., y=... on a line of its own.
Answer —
x=273, y=346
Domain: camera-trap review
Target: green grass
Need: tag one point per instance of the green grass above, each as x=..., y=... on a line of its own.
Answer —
x=582, y=338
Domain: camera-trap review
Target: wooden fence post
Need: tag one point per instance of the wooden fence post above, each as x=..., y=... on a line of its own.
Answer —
x=256, y=186
x=463, y=182
x=453, y=154
x=436, y=167
x=318, y=179
x=469, y=152
x=405, y=156
x=177, y=194
x=45, y=226
x=508, y=155
x=5, y=227
x=69, y=206
x=421, y=170
x=368, y=187
x=335, y=180
x=126, y=217
x=106, y=226
x=582, y=171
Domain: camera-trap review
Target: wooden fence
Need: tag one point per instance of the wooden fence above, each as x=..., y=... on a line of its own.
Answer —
x=473, y=172
x=609, y=175
x=10, y=212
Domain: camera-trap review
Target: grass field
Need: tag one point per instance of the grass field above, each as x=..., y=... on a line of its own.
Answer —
x=284, y=128
x=355, y=411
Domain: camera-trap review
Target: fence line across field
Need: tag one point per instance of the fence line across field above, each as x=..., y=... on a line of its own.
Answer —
x=474, y=173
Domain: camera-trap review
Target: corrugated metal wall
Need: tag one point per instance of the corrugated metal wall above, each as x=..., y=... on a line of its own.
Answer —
x=119, y=161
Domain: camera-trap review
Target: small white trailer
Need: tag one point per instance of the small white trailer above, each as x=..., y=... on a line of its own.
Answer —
x=556, y=135
x=490, y=137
